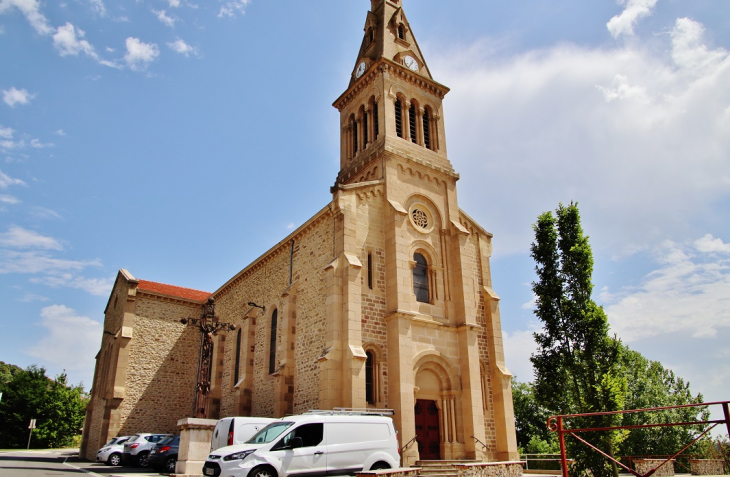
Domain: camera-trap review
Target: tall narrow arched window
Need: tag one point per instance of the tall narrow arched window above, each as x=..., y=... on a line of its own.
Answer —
x=412, y=121
x=427, y=129
x=375, y=120
x=420, y=278
x=272, y=342
x=236, y=372
x=399, y=118
x=365, y=129
x=370, y=377
x=401, y=32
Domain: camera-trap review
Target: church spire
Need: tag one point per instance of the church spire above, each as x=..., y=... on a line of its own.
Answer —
x=388, y=35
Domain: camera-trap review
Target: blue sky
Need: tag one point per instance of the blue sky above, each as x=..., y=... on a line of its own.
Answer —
x=181, y=139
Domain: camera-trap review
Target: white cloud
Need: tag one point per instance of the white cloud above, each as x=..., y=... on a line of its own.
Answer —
x=98, y=7
x=15, y=96
x=518, y=347
x=94, y=286
x=39, y=262
x=31, y=9
x=68, y=40
x=624, y=23
x=60, y=132
x=139, y=54
x=689, y=294
x=9, y=199
x=30, y=297
x=230, y=9
x=6, y=133
x=164, y=18
x=183, y=48
x=71, y=341
x=18, y=237
x=7, y=181
x=638, y=138
x=174, y=3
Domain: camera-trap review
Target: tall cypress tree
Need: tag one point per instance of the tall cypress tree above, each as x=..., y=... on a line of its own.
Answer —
x=577, y=362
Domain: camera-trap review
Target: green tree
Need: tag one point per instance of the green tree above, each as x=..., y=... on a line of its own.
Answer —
x=57, y=408
x=7, y=371
x=651, y=385
x=577, y=362
x=533, y=436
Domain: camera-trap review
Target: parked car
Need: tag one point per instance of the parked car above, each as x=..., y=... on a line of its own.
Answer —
x=236, y=430
x=138, y=447
x=111, y=453
x=163, y=456
x=316, y=443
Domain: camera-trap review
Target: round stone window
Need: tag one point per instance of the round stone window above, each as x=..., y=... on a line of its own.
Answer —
x=421, y=218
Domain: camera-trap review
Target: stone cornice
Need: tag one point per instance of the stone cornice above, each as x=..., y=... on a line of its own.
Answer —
x=471, y=225
x=387, y=66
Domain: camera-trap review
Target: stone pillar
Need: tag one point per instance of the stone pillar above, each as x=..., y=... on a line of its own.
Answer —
x=195, y=437
x=401, y=382
x=471, y=396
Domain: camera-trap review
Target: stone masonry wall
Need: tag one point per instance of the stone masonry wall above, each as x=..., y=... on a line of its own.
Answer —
x=264, y=283
x=163, y=362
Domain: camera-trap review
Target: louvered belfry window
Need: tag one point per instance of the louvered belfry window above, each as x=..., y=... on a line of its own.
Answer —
x=375, y=120
x=398, y=118
x=420, y=278
x=427, y=130
x=412, y=121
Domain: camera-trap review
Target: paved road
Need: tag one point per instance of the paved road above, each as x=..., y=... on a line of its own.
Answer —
x=57, y=463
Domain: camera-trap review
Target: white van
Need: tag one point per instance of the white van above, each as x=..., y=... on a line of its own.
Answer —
x=312, y=444
x=230, y=431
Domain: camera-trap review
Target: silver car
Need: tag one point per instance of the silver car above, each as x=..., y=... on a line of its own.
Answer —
x=111, y=453
x=137, y=448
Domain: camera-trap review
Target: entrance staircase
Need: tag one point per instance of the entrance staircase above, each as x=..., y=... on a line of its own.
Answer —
x=440, y=468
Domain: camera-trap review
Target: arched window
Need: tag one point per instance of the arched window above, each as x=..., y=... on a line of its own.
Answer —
x=412, y=121
x=399, y=117
x=236, y=372
x=401, y=32
x=370, y=377
x=427, y=129
x=420, y=278
x=371, y=35
x=365, y=129
x=272, y=342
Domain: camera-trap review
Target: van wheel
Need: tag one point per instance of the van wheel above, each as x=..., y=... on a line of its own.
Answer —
x=380, y=466
x=264, y=471
x=114, y=459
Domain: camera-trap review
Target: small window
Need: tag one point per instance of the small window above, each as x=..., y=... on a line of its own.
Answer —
x=272, y=342
x=398, y=118
x=365, y=129
x=370, y=377
x=420, y=278
x=375, y=120
x=371, y=35
x=401, y=32
x=238, y=358
x=354, y=136
x=370, y=271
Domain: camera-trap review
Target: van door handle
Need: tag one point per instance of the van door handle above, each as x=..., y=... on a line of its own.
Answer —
x=318, y=453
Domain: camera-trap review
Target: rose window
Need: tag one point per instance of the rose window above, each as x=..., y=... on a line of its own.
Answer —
x=420, y=218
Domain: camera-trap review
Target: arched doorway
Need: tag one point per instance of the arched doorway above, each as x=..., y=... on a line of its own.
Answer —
x=428, y=434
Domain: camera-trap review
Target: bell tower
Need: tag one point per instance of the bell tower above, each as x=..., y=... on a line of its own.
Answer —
x=411, y=279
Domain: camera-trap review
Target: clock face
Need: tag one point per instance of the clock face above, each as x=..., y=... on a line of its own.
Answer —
x=361, y=69
x=411, y=63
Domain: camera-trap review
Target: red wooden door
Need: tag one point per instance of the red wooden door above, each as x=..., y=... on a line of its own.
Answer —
x=427, y=430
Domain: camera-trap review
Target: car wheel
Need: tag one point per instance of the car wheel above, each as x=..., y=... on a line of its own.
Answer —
x=143, y=459
x=114, y=459
x=170, y=465
x=380, y=466
x=263, y=472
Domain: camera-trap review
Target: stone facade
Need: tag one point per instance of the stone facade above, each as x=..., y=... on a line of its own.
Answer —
x=643, y=466
x=384, y=298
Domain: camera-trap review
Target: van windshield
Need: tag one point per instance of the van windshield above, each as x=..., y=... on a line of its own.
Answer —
x=269, y=433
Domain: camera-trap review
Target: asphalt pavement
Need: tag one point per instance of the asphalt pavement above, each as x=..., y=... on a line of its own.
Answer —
x=60, y=462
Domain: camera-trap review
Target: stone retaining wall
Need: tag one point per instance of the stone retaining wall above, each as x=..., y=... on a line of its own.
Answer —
x=707, y=467
x=645, y=465
x=490, y=469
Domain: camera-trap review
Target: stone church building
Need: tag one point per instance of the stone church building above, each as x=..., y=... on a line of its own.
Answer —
x=383, y=299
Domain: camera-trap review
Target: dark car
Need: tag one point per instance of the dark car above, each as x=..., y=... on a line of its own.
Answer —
x=164, y=455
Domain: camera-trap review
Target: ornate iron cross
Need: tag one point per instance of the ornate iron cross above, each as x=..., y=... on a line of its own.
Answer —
x=209, y=326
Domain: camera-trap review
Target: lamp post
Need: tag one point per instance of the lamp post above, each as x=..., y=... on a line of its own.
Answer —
x=209, y=326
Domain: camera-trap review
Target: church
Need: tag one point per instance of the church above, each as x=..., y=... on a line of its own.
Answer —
x=382, y=299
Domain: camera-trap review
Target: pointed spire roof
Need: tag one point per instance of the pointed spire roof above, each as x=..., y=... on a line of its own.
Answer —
x=388, y=35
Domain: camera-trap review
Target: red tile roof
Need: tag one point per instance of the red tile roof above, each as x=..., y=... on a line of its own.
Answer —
x=171, y=290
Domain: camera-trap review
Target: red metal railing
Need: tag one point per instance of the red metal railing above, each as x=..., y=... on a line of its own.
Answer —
x=555, y=424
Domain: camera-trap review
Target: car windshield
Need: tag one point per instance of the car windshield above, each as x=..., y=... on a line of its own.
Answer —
x=269, y=433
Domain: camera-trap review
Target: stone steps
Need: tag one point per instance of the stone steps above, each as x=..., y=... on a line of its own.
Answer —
x=440, y=468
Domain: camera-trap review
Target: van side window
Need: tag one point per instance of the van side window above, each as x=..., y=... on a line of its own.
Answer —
x=311, y=434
